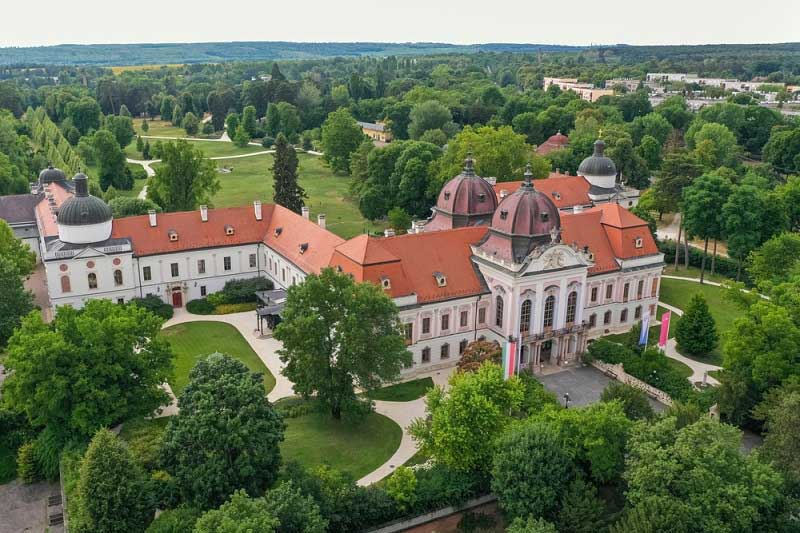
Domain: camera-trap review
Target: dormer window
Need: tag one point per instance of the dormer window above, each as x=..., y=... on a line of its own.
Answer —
x=303, y=247
x=503, y=214
x=278, y=231
x=386, y=283
x=173, y=235
x=339, y=268
x=545, y=217
x=557, y=195
x=482, y=197
x=638, y=242
x=228, y=229
x=447, y=195
x=441, y=280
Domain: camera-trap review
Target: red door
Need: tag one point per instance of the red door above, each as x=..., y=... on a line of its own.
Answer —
x=177, y=299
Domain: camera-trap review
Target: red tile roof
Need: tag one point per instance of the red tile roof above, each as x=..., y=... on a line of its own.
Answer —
x=296, y=230
x=45, y=215
x=565, y=191
x=416, y=257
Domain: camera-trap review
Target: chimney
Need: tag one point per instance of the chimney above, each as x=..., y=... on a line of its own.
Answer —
x=257, y=209
x=420, y=226
x=304, y=212
x=577, y=209
x=152, y=214
x=388, y=232
x=492, y=181
x=321, y=220
x=503, y=193
x=204, y=213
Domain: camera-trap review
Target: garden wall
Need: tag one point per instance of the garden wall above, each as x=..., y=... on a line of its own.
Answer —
x=617, y=372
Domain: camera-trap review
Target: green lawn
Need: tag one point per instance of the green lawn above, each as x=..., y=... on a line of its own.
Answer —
x=402, y=392
x=358, y=449
x=678, y=293
x=159, y=128
x=209, y=148
x=679, y=367
x=251, y=179
x=195, y=340
x=694, y=272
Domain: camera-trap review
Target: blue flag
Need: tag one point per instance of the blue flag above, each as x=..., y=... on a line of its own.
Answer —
x=645, y=330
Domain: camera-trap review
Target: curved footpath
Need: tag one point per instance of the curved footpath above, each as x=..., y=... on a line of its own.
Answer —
x=402, y=413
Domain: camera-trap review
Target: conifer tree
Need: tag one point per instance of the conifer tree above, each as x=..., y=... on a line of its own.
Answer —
x=139, y=144
x=145, y=126
x=696, y=331
x=288, y=192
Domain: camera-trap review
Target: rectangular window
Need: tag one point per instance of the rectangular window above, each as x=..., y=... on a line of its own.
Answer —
x=654, y=288
x=202, y=290
x=594, y=294
x=283, y=275
x=462, y=346
x=270, y=263
x=640, y=289
x=445, y=322
x=174, y=270
x=444, y=352
x=625, y=290
x=408, y=332
x=607, y=318
x=426, y=355
x=426, y=326
x=226, y=263
x=592, y=320
x=637, y=313
x=147, y=274
x=482, y=315
x=464, y=318
x=609, y=291
x=120, y=301
x=201, y=266
x=623, y=316
x=252, y=260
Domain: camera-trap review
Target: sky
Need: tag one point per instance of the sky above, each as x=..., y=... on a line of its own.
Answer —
x=574, y=22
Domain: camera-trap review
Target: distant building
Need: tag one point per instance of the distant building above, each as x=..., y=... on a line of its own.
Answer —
x=555, y=142
x=377, y=131
x=629, y=83
x=586, y=91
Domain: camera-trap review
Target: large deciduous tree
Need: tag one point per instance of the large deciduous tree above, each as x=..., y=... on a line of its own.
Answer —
x=87, y=369
x=16, y=301
x=225, y=436
x=111, y=162
x=700, y=469
x=184, y=179
x=85, y=114
x=464, y=422
x=337, y=335
x=702, y=210
x=341, y=136
x=287, y=192
x=113, y=489
x=430, y=115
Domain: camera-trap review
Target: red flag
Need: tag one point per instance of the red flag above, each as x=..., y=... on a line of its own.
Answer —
x=662, y=339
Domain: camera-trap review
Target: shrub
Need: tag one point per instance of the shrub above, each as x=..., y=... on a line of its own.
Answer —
x=180, y=520
x=238, y=291
x=200, y=306
x=47, y=449
x=26, y=464
x=155, y=305
x=226, y=309
x=267, y=141
x=138, y=172
x=402, y=487
x=164, y=490
x=634, y=401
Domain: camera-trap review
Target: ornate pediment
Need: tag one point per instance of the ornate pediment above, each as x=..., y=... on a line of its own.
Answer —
x=556, y=257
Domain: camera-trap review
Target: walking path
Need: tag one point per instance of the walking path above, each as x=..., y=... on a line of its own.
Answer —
x=699, y=370
x=145, y=163
x=402, y=413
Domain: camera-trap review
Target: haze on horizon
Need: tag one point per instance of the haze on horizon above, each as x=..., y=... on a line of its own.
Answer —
x=575, y=22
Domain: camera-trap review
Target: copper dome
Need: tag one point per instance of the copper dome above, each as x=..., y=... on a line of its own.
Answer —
x=466, y=200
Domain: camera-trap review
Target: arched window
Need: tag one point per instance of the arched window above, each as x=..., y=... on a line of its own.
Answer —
x=92, y=277
x=549, y=311
x=66, y=286
x=118, y=277
x=525, y=317
x=623, y=316
x=593, y=320
x=637, y=313
x=498, y=312
x=607, y=318
x=572, y=305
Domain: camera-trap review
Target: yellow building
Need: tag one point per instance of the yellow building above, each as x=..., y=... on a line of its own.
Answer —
x=377, y=131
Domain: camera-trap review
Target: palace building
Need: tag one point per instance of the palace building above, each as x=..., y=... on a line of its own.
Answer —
x=551, y=263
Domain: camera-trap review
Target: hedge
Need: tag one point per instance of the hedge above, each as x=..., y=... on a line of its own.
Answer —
x=724, y=266
x=155, y=305
x=200, y=306
x=239, y=291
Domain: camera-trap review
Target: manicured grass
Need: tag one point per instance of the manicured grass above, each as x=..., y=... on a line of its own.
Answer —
x=251, y=179
x=8, y=464
x=679, y=293
x=356, y=448
x=158, y=128
x=679, y=367
x=195, y=340
x=655, y=331
x=402, y=392
x=694, y=273
x=209, y=148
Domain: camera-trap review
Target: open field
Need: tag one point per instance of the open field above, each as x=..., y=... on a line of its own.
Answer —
x=251, y=179
x=209, y=148
x=195, y=340
x=131, y=68
x=159, y=128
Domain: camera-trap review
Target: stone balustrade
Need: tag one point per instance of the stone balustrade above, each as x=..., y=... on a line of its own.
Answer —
x=617, y=371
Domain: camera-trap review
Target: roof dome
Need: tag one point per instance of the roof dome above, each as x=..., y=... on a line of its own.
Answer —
x=598, y=164
x=523, y=220
x=558, y=139
x=526, y=212
x=51, y=174
x=83, y=209
x=467, y=194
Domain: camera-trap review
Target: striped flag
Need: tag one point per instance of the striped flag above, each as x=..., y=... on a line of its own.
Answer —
x=509, y=359
x=662, y=339
x=645, y=334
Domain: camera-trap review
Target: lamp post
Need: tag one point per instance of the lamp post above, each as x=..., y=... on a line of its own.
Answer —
x=566, y=400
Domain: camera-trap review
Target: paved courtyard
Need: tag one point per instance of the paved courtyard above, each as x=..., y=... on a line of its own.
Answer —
x=24, y=507
x=584, y=384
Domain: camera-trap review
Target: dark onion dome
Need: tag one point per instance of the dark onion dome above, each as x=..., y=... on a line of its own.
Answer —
x=598, y=164
x=83, y=209
x=523, y=220
x=51, y=174
x=467, y=194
